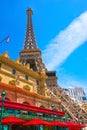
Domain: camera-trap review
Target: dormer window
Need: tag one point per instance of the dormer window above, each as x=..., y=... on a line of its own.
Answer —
x=0, y=65
x=26, y=77
x=37, y=82
x=13, y=71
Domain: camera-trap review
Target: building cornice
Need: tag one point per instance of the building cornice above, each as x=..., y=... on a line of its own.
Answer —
x=30, y=50
x=19, y=67
x=13, y=76
x=22, y=91
x=51, y=78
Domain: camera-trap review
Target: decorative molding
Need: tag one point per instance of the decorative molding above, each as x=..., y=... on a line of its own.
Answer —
x=0, y=78
x=30, y=50
x=13, y=76
x=6, y=54
x=25, y=81
x=7, y=74
x=19, y=67
x=12, y=82
x=51, y=78
x=26, y=87
x=27, y=93
x=17, y=61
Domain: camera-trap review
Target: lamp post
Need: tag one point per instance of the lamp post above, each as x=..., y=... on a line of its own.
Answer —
x=53, y=108
x=3, y=93
x=78, y=119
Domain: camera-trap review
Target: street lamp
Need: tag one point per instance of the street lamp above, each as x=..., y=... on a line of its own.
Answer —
x=53, y=108
x=3, y=93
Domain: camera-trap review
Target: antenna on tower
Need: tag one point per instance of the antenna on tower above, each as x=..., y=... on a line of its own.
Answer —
x=29, y=3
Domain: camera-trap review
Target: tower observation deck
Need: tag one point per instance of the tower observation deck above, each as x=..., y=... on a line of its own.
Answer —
x=31, y=53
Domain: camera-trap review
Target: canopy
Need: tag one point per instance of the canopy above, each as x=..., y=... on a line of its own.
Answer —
x=36, y=121
x=82, y=125
x=71, y=123
x=11, y=120
x=75, y=126
x=19, y=106
x=57, y=123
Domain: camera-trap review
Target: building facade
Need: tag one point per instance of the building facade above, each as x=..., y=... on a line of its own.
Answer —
x=27, y=80
x=77, y=94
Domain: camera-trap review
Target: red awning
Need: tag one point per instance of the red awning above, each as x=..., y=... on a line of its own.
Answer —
x=11, y=120
x=74, y=126
x=26, y=107
x=71, y=123
x=57, y=123
x=82, y=125
x=36, y=121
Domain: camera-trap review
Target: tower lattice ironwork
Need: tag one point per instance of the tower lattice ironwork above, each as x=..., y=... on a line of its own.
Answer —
x=32, y=55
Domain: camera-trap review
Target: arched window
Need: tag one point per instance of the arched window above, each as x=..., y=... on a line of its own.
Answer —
x=26, y=103
x=0, y=65
x=26, y=77
x=42, y=106
x=13, y=71
x=7, y=99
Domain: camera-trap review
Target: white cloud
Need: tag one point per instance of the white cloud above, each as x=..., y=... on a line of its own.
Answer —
x=60, y=47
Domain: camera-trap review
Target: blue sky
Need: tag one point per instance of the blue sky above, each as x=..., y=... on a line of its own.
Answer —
x=60, y=28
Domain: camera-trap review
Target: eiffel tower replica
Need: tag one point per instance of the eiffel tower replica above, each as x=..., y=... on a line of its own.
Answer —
x=31, y=55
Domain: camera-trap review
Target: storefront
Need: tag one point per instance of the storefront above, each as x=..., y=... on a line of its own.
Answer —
x=17, y=116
